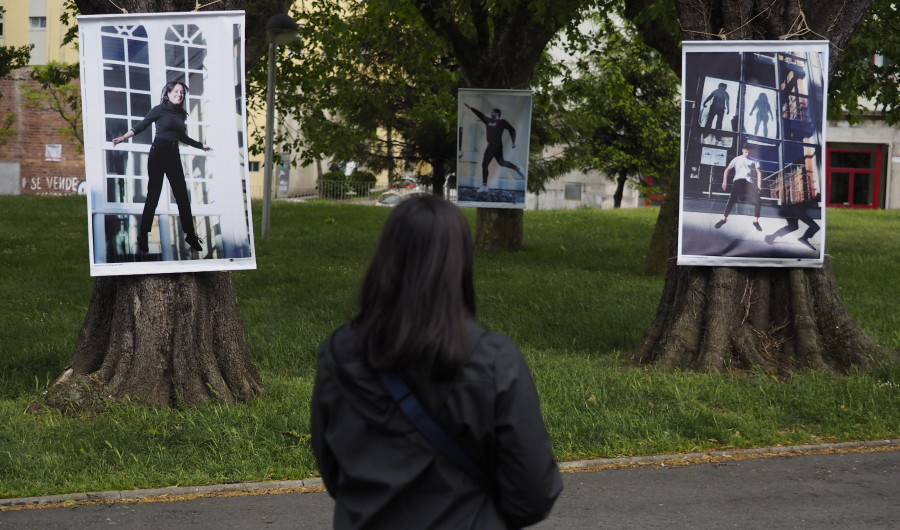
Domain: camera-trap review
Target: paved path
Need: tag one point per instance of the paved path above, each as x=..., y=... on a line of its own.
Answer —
x=841, y=486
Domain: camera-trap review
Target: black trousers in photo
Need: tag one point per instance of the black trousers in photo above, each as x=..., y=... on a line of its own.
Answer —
x=492, y=152
x=747, y=192
x=165, y=160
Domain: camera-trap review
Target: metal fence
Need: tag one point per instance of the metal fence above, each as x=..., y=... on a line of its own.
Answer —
x=336, y=190
x=357, y=193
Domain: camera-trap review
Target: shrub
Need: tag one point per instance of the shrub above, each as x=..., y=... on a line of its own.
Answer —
x=362, y=181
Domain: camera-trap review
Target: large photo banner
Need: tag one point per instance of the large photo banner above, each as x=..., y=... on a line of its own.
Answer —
x=753, y=153
x=165, y=143
x=494, y=136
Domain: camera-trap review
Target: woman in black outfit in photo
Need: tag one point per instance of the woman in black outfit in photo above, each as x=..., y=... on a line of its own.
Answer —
x=165, y=159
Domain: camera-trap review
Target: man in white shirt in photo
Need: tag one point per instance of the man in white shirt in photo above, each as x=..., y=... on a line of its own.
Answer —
x=743, y=186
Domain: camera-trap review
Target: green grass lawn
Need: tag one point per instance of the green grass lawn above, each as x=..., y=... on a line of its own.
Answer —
x=574, y=300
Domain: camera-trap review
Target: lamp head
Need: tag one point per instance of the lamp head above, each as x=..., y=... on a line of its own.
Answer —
x=281, y=29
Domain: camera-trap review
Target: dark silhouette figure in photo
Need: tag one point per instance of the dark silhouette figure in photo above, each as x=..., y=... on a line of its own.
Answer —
x=763, y=114
x=796, y=212
x=495, y=126
x=743, y=187
x=793, y=223
x=719, y=104
x=417, y=323
x=165, y=160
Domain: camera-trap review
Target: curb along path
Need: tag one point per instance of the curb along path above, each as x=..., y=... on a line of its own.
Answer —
x=311, y=485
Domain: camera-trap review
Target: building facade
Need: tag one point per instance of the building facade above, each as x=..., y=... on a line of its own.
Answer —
x=37, y=23
x=35, y=157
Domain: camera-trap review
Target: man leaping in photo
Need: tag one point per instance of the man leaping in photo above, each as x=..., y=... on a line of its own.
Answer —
x=495, y=126
x=743, y=186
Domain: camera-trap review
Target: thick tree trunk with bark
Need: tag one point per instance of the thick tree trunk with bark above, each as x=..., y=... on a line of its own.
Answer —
x=718, y=318
x=164, y=339
x=499, y=229
x=159, y=340
x=779, y=319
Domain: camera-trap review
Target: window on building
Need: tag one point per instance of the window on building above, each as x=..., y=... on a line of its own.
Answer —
x=37, y=22
x=573, y=192
x=1, y=22
x=854, y=176
x=253, y=166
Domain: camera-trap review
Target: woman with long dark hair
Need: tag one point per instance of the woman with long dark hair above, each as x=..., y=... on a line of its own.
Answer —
x=417, y=322
x=165, y=160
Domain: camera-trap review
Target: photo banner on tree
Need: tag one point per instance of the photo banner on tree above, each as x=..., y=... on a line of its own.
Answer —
x=492, y=148
x=165, y=135
x=753, y=153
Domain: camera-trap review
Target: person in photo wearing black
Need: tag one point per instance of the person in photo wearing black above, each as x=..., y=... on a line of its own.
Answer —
x=417, y=323
x=494, y=150
x=793, y=215
x=743, y=186
x=165, y=160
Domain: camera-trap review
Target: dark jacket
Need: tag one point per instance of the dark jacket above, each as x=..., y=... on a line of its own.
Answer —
x=384, y=474
x=170, y=125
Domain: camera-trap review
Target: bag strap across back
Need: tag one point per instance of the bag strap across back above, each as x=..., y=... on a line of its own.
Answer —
x=433, y=432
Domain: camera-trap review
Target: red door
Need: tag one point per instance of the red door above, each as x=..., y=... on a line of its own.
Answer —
x=853, y=178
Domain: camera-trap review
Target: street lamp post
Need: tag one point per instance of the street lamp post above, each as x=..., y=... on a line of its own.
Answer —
x=280, y=30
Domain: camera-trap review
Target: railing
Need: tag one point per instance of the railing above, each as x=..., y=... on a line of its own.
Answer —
x=354, y=192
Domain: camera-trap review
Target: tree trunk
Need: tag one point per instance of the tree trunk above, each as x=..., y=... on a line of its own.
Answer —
x=438, y=176
x=664, y=232
x=161, y=339
x=499, y=229
x=716, y=318
x=620, y=189
x=780, y=319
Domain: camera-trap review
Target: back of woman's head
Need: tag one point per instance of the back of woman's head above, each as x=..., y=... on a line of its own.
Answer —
x=419, y=289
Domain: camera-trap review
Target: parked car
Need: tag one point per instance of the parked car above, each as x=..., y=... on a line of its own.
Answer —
x=393, y=198
x=389, y=198
x=406, y=183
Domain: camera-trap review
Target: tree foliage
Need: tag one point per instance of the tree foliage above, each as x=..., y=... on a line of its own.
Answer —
x=60, y=93
x=370, y=84
x=860, y=84
x=623, y=108
x=12, y=57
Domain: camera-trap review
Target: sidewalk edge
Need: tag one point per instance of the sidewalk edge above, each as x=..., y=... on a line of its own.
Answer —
x=285, y=486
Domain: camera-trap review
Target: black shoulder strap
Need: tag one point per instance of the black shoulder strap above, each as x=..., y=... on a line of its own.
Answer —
x=433, y=432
